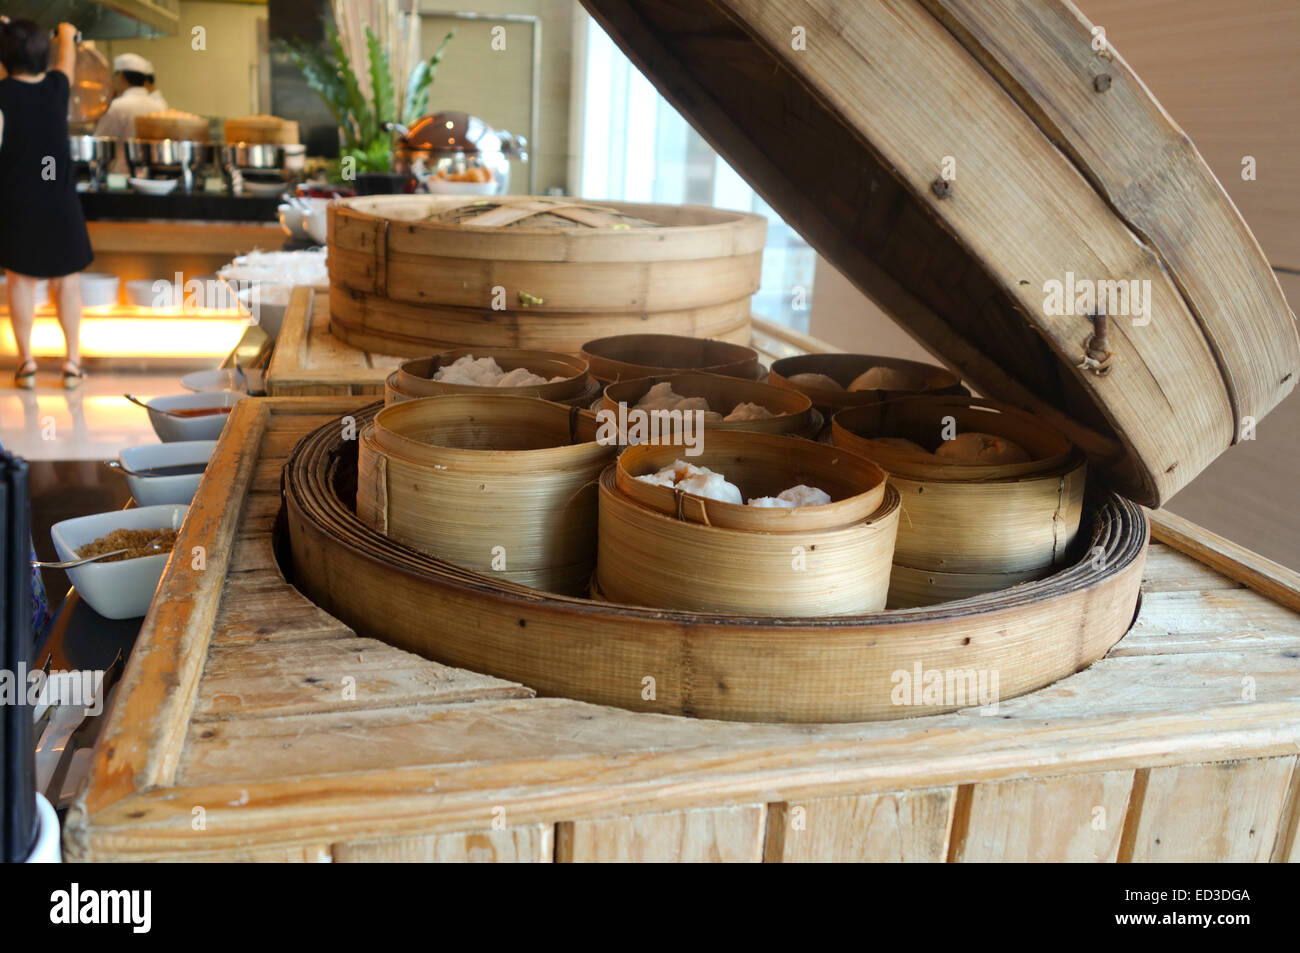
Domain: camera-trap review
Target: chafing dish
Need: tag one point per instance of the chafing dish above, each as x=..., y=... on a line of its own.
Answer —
x=259, y=166
x=179, y=157
x=91, y=157
x=448, y=144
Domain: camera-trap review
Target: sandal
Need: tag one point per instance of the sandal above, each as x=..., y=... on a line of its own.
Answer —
x=72, y=378
x=25, y=376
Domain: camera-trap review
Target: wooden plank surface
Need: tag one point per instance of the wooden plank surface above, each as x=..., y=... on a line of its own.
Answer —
x=1230, y=812
x=533, y=843
x=723, y=834
x=309, y=361
x=1066, y=819
x=907, y=827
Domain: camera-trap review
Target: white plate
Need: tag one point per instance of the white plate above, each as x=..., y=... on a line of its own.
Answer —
x=207, y=427
x=156, y=490
x=124, y=589
x=446, y=187
x=225, y=378
x=152, y=186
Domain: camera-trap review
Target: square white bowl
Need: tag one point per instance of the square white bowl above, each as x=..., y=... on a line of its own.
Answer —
x=157, y=490
x=124, y=589
x=207, y=427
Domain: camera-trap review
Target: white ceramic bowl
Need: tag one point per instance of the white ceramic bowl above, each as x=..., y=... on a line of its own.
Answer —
x=444, y=187
x=156, y=490
x=152, y=186
x=152, y=293
x=315, y=221
x=124, y=589
x=206, y=427
x=98, y=290
x=291, y=221
x=224, y=378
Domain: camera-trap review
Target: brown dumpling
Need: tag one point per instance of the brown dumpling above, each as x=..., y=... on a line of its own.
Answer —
x=976, y=447
x=884, y=378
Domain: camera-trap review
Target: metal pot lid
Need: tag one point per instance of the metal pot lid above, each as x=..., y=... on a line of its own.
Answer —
x=451, y=131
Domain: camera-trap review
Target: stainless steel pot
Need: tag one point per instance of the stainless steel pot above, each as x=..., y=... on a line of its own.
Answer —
x=174, y=156
x=91, y=157
x=453, y=143
x=265, y=163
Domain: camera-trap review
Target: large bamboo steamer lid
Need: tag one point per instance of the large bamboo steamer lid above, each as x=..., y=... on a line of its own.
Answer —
x=533, y=257
x=954, y=159
x=793, y=412
x=494, y=483
x=417, y=377
x=844, y=369
x=381, y=325
x=831, y=669
x=262, y=129
x=972, y=517
x=625, y=356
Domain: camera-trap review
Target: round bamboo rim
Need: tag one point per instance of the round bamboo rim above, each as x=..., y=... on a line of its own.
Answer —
x=628, y=356
x=844, y=369
x=416, y=377
x=649, y=558
x=794, y=412
x=708, y=665
x=761, y=465
x=992, y=519
x=372, y=322
x=495, y=483
x=394, y=393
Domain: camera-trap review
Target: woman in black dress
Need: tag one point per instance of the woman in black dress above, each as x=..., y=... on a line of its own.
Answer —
x=44, y=231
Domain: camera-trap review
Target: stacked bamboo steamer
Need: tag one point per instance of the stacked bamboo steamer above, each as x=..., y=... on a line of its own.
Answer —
x=262, y=129
x=791, y=412
x=171, y=124
x=969, y=527
x=662, y=548
x=576, y=387
x=413, y=275
x=502, y=485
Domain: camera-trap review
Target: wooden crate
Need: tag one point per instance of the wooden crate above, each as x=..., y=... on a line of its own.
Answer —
x=250, y=725
x=310, y=361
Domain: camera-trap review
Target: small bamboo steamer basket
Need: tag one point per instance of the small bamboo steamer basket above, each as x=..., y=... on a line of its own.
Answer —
x=157, y=126
x=475, y=479
x=663, y=548
x=794, y=412
x=1009, y=522
x=627, y=356
x=395, y=393
x=844, y=369
x=416, y=377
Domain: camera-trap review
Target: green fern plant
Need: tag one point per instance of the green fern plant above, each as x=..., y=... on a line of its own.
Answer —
x=361, y=122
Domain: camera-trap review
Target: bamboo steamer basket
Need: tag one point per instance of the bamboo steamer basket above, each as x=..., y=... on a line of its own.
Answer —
x=414, y=274
x=626, y=356
x=1006, y=522
x=708, y=665
x=166, y=125
x=262, y=129
x=844, y=369
x=498, y=484
x=395, y=392
x=793, y=412
x=1016, y=262
x=416, y=377
x=662, y=548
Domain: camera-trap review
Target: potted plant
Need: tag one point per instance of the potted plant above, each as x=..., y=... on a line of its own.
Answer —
x=366, y=102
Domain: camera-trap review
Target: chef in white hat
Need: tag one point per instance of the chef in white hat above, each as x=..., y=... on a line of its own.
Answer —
x=132, y=80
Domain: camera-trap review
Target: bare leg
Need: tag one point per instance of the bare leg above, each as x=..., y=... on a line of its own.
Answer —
x=66, y=293
x=22, y=311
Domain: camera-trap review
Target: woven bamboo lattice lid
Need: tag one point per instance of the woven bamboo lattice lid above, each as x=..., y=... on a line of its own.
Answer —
x=976, y=166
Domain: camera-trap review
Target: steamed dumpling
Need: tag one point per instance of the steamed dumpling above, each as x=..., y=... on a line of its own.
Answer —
x=523, y=377
x=901, y=443
x=713, y=486
x=820, y=381
x=481, y=372
x=748, y=411
x=796, y=496
x=883, y=378
x=976, y=447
